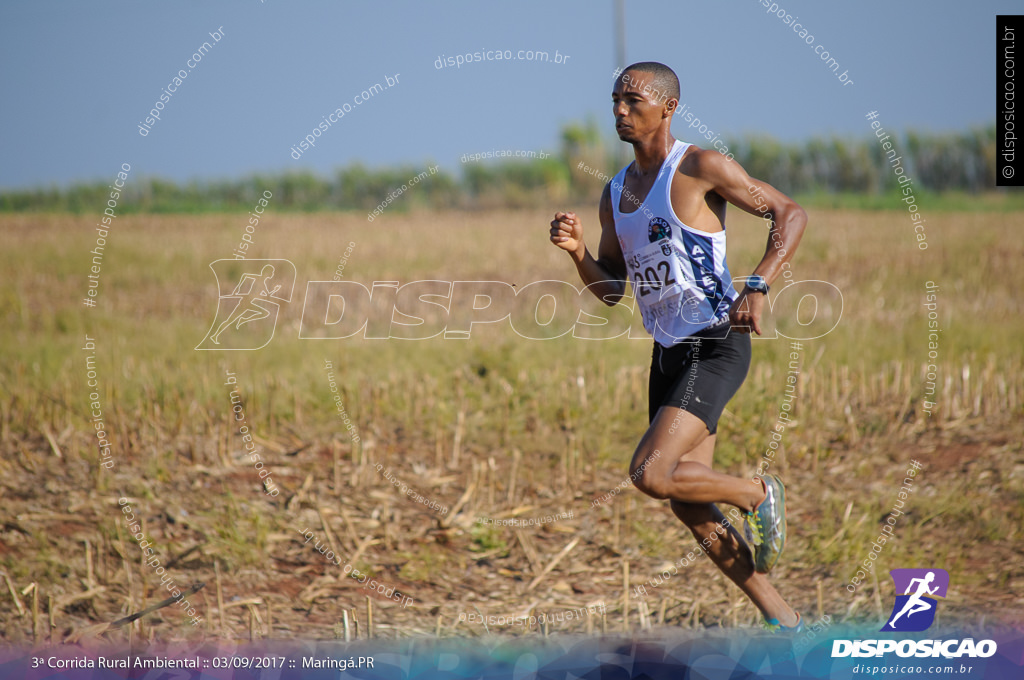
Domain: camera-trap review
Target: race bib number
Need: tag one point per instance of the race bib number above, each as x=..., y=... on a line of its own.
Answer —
x=662, y=290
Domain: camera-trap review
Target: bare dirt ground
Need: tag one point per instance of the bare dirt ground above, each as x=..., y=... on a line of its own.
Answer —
x=88, y=569
x=493, y=429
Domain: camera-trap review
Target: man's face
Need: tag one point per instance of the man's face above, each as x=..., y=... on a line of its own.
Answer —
x=638, y=106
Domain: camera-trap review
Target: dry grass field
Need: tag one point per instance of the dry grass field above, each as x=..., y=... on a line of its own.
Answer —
x=496, y=426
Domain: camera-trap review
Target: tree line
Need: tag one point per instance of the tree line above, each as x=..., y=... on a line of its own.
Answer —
x=938, y=162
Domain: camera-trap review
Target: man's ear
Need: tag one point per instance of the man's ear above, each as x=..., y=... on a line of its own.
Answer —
x=670, y=106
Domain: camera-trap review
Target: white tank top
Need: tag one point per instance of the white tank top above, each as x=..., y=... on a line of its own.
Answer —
x=679, y=275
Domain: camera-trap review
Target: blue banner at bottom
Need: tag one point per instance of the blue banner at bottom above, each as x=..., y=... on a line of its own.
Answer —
x=827, y=652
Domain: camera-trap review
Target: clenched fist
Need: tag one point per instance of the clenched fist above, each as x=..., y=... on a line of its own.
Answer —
x=567, y=232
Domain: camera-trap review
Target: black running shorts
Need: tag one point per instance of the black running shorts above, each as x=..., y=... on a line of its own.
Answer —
x=699, y=376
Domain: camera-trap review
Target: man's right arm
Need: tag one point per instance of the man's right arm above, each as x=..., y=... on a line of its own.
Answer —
x=605, y=276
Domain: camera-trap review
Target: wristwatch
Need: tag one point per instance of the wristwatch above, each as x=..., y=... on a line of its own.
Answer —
x=757, y=284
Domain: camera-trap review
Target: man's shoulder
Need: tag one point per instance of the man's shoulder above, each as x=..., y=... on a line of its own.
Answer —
x=696, y=158
x=704, y=164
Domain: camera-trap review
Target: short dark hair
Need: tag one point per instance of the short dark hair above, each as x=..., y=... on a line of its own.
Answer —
x=664, y=80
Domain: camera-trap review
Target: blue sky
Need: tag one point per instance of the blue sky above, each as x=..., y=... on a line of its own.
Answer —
x=78, y=78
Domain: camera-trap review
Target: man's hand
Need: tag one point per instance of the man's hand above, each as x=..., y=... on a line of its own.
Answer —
x=567, y=233
x=745, y=313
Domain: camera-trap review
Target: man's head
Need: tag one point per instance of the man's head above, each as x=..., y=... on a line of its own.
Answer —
x=644, y=97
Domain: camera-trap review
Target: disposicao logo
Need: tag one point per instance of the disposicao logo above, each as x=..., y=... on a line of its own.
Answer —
x=914, y=611
x=250, y=296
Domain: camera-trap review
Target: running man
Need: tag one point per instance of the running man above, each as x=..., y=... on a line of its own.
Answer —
x=250, y=306
x=663, y=230
x=915, y=603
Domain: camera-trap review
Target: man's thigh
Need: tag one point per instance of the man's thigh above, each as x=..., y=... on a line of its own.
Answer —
x=674, y=436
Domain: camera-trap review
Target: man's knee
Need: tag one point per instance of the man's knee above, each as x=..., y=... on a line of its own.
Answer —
x=642, y=472
x=673, y=486
x=649, y=483
x=664, y=481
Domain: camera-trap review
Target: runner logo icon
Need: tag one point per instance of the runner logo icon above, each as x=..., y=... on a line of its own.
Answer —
x=914, y=610
x=248, y=303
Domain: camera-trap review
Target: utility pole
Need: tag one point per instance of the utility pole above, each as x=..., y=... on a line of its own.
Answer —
x=620, y=62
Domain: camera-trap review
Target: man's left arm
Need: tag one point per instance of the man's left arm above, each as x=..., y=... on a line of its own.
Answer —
x=787, y=222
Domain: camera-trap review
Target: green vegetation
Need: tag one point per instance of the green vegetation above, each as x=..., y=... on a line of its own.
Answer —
x=824, y=172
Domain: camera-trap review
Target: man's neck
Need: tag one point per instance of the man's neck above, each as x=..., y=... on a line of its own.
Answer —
x=651, y=154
